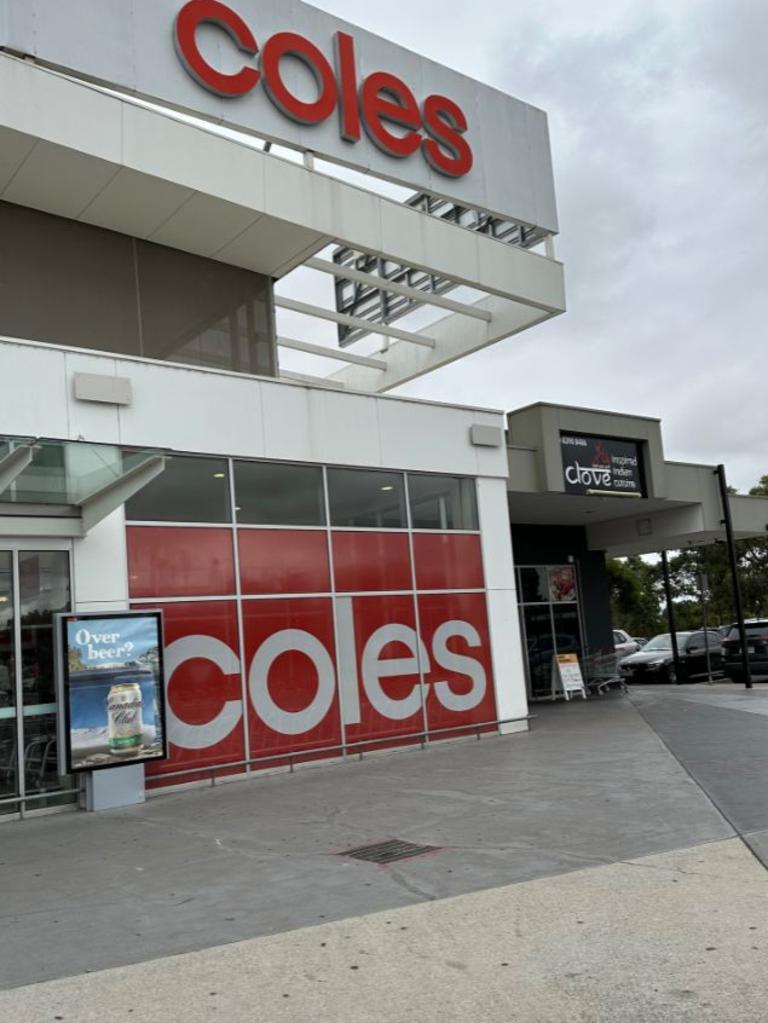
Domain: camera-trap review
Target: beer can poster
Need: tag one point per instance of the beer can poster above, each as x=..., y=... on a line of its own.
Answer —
x=114, y=692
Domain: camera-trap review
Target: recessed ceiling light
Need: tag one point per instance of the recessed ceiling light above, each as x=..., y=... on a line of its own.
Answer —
x=219, y=475
x=387, y=488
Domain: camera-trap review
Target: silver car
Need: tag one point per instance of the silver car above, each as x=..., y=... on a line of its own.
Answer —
x=623, y=643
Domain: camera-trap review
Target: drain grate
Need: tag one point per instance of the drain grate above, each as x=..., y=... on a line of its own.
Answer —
x=389, y=852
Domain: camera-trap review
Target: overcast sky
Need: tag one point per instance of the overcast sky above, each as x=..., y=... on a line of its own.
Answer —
x=658, y=115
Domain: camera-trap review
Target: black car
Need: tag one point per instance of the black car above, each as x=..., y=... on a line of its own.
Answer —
x=757, y=650
x=656, y=663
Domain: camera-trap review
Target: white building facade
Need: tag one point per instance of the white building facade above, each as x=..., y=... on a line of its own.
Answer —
x=334, y=564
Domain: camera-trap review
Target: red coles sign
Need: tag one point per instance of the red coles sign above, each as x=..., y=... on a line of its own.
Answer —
x=381, y=104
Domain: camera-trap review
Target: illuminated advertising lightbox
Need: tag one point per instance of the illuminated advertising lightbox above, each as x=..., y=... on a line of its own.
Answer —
x=602, y=466
x=112, y=690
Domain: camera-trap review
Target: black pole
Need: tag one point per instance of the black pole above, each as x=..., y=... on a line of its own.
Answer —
x=671, y=617
x=729, y=539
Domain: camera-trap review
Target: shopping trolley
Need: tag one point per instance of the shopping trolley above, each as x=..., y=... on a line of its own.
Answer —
x=601, y=672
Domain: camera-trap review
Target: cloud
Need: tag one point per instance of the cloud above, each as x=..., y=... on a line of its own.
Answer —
x=659, y=124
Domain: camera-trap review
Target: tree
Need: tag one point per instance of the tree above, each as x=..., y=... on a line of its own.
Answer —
x=635, y=584
x=634, y=589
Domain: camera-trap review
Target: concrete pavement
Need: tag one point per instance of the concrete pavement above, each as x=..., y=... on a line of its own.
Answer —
x=592, y=870
x=676, y=938
x=591, y=784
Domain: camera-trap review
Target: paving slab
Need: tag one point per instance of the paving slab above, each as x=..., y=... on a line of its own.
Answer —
x=591, y=784
x=680, y=937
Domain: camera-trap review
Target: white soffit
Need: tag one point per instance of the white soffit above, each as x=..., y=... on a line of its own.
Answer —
x=70, y=149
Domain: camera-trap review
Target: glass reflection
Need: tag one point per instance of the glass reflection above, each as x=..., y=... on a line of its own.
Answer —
x=538, y=634
x=534, y=585
x=44, y=590
x=8, y=758
x=366, y=498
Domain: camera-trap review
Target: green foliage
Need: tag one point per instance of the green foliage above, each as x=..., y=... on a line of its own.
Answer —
x=635, y=596
x=637, y=593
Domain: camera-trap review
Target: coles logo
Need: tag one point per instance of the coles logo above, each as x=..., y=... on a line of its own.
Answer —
x=382, y=104
x=304, y=679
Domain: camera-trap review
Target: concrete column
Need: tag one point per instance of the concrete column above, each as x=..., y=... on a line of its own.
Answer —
x=503, y=617
x=101, y=566
x=101, y=584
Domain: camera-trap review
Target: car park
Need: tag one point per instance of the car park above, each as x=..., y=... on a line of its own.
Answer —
x=656, y=661
x=757, y=650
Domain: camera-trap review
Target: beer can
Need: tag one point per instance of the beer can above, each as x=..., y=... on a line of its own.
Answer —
x=124, y=718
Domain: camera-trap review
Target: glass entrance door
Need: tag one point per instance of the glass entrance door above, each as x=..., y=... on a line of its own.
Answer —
x=551, y=621
x=34, y=585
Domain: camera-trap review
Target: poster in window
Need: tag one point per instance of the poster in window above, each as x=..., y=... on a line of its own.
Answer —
x=112, y=687
x=562, y=584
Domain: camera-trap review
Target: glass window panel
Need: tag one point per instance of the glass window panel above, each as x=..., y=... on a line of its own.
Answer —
x=45, y=480
x=562, y=583
x=364, y=498
x=204, y=313
x=442, y=502
x=41, y=771
x=7, y=684
x=189, y=490
x=567, y=629
x=43, y=591
x=8, y=758
x=66, y=282
x=273, y=494
x=539, y=648
x=534, y=585
x=75, y=284
x=8, y=764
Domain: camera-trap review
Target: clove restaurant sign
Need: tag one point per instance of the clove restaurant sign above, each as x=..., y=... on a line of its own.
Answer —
x=601, y=466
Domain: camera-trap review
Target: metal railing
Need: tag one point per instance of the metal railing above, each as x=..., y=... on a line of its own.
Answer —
x=292, y=758
x=340, y=749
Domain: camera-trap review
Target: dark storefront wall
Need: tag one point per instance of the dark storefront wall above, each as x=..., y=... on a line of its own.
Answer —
x=560, y=546
x=555, y=545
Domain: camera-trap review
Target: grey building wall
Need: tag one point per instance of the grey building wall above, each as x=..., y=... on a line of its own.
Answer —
x=69, y=283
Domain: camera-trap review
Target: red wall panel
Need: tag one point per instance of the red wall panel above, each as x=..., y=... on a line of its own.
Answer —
x=292, y=689
x=204, y=689
x=284, y=561
x=170, y=561
x=448, y=561
x=378, y=667
x=364, y=562
x=454, y=627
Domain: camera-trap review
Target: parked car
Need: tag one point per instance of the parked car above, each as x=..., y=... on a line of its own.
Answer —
x=757, y=650
x=623, y=643
x=656, y=663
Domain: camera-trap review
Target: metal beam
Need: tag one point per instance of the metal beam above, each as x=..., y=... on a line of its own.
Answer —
x=14, y=464
x=105, y=500
x=413, y=294
x=671, y=618
x=354, y=321
x=330, y=353
x=733, y=558
x=456, y=336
